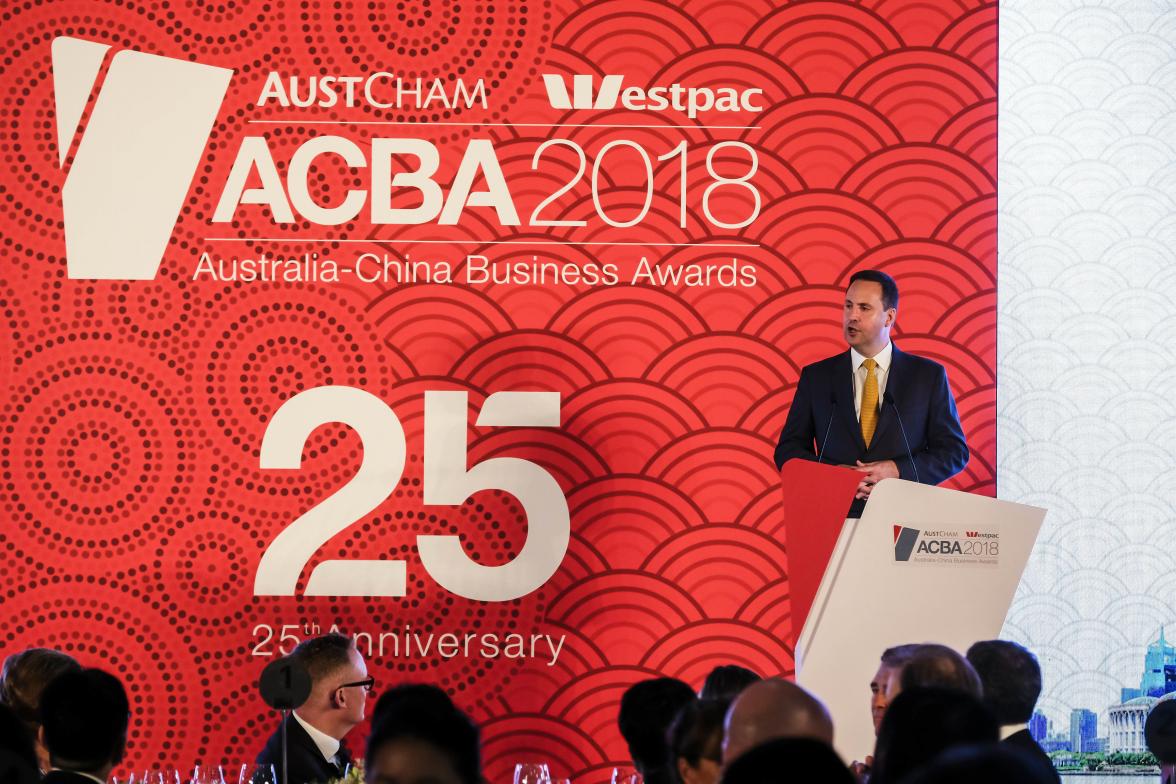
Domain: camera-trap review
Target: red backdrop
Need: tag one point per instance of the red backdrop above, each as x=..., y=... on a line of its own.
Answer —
x=135, y=511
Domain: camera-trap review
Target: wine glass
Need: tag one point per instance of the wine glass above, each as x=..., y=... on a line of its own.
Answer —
x=626, y=776
x=168, y=775
x=206, y=774
x=257, y=774
x=532, y=773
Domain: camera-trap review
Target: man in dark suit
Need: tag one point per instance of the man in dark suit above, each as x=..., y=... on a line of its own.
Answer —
x=315, y=731
x=1011, y=678
x=875, y=408
x=84, y=718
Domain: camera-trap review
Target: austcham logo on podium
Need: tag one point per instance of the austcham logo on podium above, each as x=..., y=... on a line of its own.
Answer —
x=952, y=546
x=136, y=158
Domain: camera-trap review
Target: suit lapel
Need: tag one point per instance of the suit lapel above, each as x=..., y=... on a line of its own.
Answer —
x=894, y=379
x=844, y=397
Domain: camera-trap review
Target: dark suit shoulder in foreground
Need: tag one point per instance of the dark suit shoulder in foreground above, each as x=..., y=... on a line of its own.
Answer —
x=1024, y=741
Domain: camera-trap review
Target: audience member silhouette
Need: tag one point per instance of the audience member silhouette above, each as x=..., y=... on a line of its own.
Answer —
x=891, y=662
x=787, y=760
x=336, y=705
x=1011, y=680
x=773, y=709
x=726, y=681
x=22, y=681
x=84, y=718
x=934, y=666
x=412, y=699
x=920, y=724
x=1159, y=732
x=418, y=738
x=18, y=759
x=696, y=742
x=990, y=763
x=648, y=708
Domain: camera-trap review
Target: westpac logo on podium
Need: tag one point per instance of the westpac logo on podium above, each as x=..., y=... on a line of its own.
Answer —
x=136, y=158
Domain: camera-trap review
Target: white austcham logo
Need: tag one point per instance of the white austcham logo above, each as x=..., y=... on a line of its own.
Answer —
x=135, y=161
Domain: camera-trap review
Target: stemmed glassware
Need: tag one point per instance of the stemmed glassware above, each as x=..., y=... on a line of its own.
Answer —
x=206, y=774
x=257, y=774
x=626, y=776
x=532, y=773
x=168, y=775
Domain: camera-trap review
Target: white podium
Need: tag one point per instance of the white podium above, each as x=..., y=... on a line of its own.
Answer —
x=923, y=564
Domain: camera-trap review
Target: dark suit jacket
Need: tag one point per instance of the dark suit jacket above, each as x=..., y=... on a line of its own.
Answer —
x=305, y=760
x=822, y=412
x=1024, y=741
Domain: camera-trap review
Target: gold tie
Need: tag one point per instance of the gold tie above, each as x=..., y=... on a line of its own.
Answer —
x=869, y=402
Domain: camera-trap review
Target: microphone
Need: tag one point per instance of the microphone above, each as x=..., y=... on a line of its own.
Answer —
x=898, y=416
x=828, y=427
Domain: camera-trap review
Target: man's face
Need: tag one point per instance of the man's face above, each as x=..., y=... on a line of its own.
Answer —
x=865, y=322
x=878, y=700
x=355, y=697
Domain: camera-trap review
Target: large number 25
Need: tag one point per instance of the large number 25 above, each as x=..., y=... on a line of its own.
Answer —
x=447, y=482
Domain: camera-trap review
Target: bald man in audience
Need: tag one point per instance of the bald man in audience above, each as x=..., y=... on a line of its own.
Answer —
x=773, y=709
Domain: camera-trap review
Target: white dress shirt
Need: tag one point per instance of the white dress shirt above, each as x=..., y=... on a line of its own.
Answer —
x=327, y=745
x=859, y=375
x=90, y=776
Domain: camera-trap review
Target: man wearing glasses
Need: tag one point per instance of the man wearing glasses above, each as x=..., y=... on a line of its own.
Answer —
x=315, y=731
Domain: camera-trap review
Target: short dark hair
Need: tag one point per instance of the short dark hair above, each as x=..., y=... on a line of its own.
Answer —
x=647, y=710
x=697, y=733
x=1159, y=731
x=25, y=676
x=921, y=723
x=413, y=699
x=1011, y=677
x=726, y=681
x=85, y=714
x=788, y=759
x=323, y=655
x=889, y=287
x=441, y=725
x=899, y=655
x=937, y=666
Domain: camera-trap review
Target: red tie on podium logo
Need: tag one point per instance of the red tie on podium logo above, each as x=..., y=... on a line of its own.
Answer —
x=136, y=156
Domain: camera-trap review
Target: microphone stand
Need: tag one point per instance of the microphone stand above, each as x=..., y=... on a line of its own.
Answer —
x=285, y=766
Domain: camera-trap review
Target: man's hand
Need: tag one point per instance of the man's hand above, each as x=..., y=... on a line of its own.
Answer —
x=874, y=473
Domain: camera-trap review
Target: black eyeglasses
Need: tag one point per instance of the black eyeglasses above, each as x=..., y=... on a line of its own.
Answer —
x=367, y=685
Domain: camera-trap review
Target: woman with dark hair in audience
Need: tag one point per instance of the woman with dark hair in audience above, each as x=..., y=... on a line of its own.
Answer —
x=920, y=724
x=696, y=742
x=22, y=681
x=419, y=737
x=726, y=681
